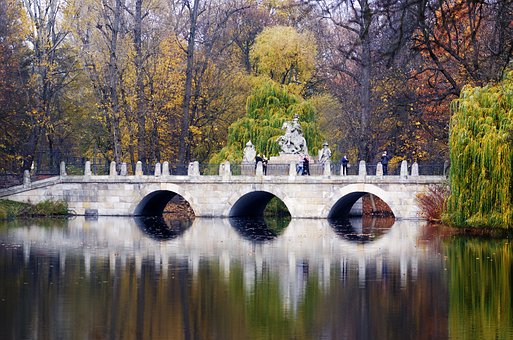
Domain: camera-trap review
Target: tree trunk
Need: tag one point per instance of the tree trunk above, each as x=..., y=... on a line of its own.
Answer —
x=184, y=133
x=139, y=84
x=113, y=82
x=365, y=94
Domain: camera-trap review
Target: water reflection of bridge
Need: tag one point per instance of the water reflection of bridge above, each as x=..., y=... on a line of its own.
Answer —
x=306, y=247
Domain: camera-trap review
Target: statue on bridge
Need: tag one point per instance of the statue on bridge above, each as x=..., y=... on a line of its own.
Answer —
x=293, y=141
x=249, y=153
x=324, y=153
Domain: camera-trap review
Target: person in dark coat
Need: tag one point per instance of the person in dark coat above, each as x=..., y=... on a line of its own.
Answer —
x=306, y=166
x=344, y=162
x=258, y=158
x=265, y=161
x=384, y=161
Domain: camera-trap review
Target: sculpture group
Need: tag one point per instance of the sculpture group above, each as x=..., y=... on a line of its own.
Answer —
x=292, y=144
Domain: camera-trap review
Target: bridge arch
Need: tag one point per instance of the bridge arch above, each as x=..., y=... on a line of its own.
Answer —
x=155, y=199
x=345, y=197
x=251, y=202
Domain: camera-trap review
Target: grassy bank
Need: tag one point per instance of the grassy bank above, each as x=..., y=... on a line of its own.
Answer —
x=12, y=209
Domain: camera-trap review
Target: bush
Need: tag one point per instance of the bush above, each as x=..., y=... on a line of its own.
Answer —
x=49, y=208
x=11, y=209
x=433, y=203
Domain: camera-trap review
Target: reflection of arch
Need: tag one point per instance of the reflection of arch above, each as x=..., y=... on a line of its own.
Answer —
x=253, y=229
x=252, y=203
x=342, y=201
x=154, y=201
x=159, y=229
x=362, y=229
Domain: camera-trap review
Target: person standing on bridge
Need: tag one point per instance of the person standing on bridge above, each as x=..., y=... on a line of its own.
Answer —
x=299, y=165
x=258, y=158
x=264, y=164
x=384, y=162
x=306, y=166
x=344, y=162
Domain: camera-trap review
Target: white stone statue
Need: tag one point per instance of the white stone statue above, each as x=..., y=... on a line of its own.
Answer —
x=324, y=153
x=249, y=153
x=293, y=141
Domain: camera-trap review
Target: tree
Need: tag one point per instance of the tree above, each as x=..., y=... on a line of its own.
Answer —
x=481, y=149
x=15, y=90
x=285, y=55
x=269, y=106
x=360, y=21
x=52, y=69
x=207, y=20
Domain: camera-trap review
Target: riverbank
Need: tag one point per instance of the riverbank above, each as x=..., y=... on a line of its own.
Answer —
x=12, y=209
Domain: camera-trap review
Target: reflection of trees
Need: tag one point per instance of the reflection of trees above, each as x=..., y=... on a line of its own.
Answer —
x=123, y=302
x=103, y=279
x=481, y=279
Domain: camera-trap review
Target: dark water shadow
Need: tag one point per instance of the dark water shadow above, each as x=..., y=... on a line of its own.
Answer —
x=160, y=228
x=259, y=229
x=362, y=229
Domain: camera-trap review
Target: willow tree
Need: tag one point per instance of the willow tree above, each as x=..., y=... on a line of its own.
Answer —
x=481, y=151
x=267, y=108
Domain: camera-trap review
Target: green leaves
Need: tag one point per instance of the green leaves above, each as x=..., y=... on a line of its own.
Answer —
x=482, y=157
x=267, y=108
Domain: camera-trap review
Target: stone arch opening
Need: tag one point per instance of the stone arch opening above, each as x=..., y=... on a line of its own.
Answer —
x=369, y=204
x=159, y=202
x=253, y=204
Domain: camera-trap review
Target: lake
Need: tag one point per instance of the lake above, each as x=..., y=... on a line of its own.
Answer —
x=126, y=278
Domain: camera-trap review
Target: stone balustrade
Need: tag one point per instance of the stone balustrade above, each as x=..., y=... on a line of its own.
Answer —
x=225, y=170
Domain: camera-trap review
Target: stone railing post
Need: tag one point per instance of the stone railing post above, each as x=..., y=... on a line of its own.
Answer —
x=362, y=170
x=87, y=169
x=138, y=169
x=227, y=171
x=165, y=168
x=404, y=169
x=62, y=169
x=415, y=169
x=292, y=169
x=112, y=170
x=26, y=178
x=158, y=170
x=193, y=169
x=379, y=170
x=447, y=166
x=327, y=168
x=124, y=169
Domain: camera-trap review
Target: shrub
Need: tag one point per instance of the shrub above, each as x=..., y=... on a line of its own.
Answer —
x=433, y=203
x=49, y=208
x=10, y=209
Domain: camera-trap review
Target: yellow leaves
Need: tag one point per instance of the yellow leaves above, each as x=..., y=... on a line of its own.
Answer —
x=196, y=131
x=285, y=55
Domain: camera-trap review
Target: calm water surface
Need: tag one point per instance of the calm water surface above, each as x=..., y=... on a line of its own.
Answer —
x=122, y=278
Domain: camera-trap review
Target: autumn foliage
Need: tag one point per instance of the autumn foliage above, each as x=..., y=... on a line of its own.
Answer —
x=433, y=202
x=481, y=173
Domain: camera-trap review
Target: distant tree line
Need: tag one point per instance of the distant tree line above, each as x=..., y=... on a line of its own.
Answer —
x=155, y=80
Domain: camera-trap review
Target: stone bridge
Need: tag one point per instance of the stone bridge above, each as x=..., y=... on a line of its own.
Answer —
x=225, y=195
